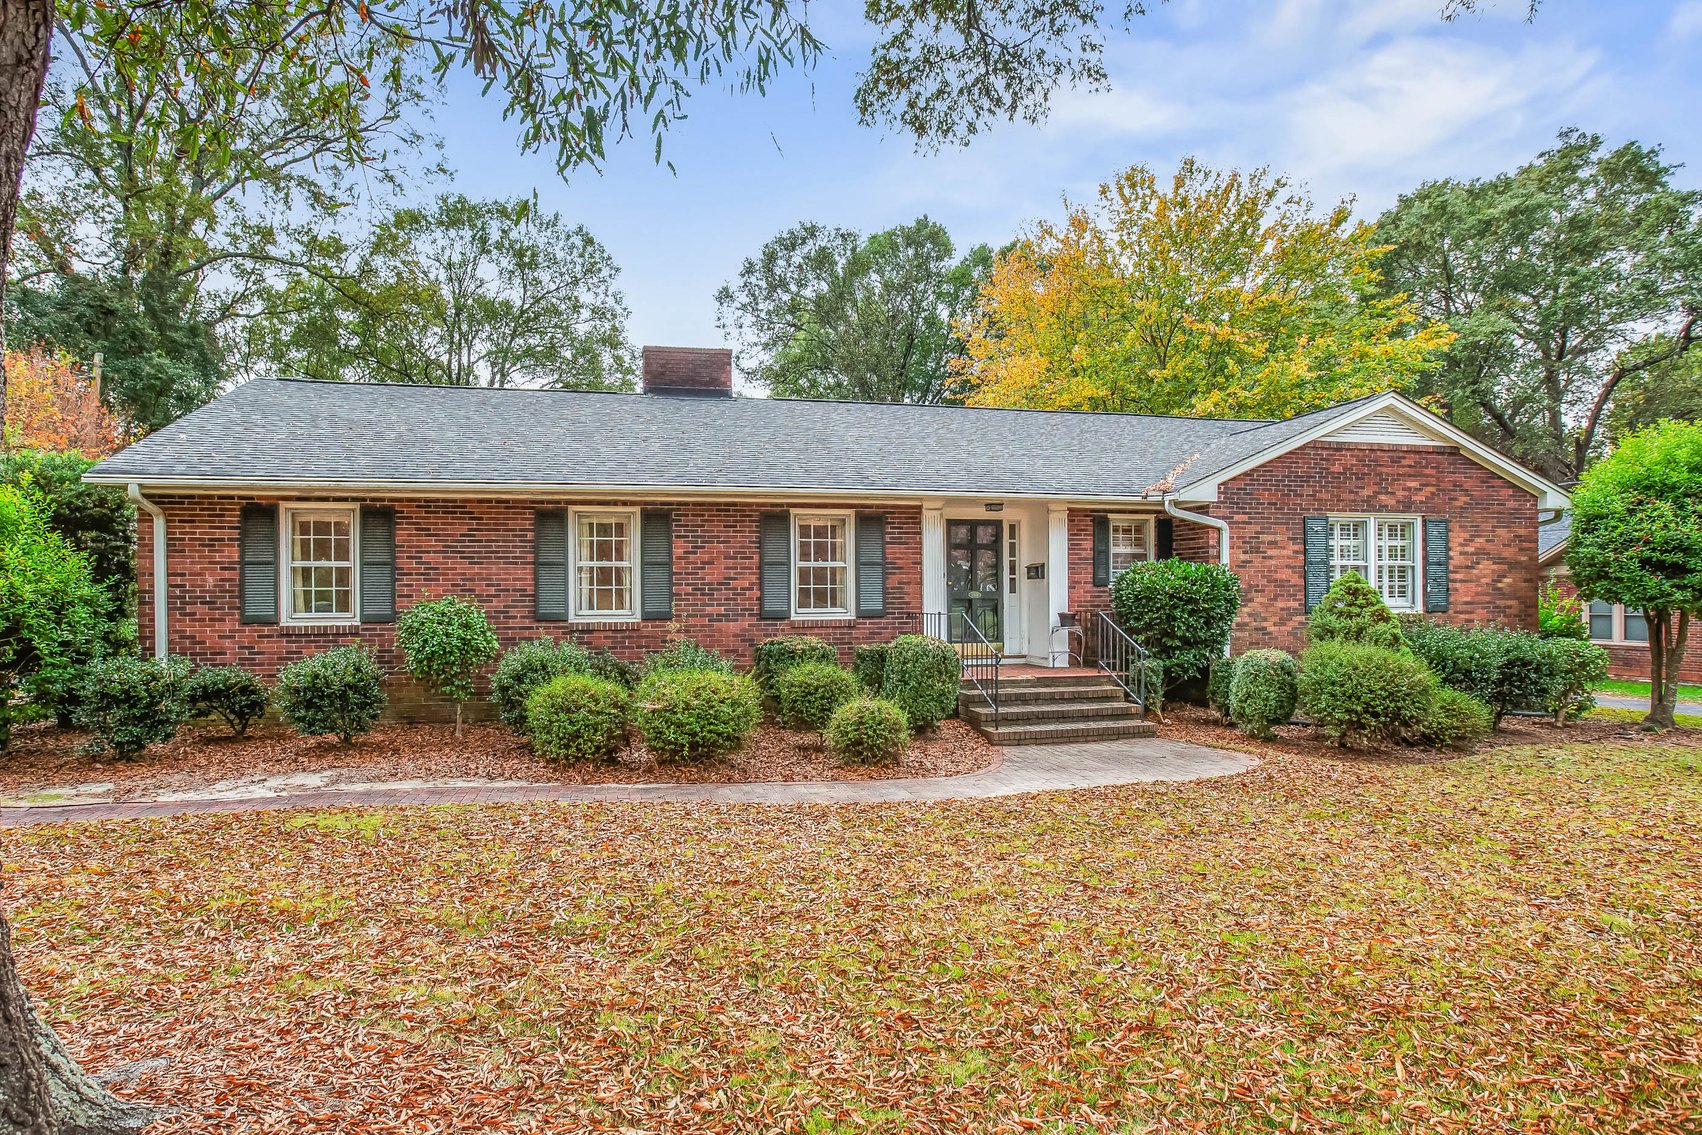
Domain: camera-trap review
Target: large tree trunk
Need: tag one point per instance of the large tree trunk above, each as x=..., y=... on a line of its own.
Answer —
x=1669, y=633
x=42, y=1091
x=26, y=37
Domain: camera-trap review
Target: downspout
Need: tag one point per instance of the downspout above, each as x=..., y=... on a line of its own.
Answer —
x=1222, y=526
x=134, y=492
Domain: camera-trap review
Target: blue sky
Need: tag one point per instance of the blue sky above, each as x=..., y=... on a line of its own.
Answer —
x=1360, y=98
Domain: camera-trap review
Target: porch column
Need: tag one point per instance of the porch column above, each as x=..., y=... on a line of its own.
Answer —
x=933, y=557
x=1057, y=574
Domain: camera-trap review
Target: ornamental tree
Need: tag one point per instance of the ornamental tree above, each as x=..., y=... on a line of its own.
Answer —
x=1637, y=540
x=444, y=642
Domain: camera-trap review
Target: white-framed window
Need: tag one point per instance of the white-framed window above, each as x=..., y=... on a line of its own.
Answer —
x=1131, y=540
x=1384, y=550
x=604, y=554
x=319, y=555
x=821, y=565
x=1615, y=622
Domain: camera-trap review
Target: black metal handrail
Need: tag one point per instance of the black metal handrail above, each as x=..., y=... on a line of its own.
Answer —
x=981, y=658
x=1118, y=654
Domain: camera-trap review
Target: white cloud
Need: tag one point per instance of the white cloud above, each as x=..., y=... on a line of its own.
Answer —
x=1686, y=21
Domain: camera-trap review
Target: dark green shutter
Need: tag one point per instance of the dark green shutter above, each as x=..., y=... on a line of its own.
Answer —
x=775, y=548
x=549, y=564
x=257, y=572
x=1102, y=551
x=656, y=569
x=871, y=564
x=1164, y=538
x=1436, y=564
x=377, y=564
x=1316, y=538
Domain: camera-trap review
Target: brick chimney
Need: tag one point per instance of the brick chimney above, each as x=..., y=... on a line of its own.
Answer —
x=699, y=372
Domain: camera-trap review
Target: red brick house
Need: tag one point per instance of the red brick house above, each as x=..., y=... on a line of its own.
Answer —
x=290, y=515
x=1618, y=630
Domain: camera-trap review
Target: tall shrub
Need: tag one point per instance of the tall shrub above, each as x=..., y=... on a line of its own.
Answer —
x=1180, y=611
x=130, y=703
x=922, y=677
x=336, y=691
x=444, y=642
x=1637, y=540
x=683, y=653
x=775, y=656
x=526, y=666
x=1353, y=611
x=1462, y=658
x=1362, y=695
x=1560, y=615
x=97, y=520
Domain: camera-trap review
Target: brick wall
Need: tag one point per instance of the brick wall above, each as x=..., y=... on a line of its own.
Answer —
x=1631, y=660
x=1492, y=533
x=482, y=550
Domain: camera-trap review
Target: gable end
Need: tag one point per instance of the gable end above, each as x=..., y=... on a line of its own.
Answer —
x=1379, y=429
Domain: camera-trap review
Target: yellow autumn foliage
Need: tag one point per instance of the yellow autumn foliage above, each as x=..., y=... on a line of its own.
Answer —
x=1222, y=295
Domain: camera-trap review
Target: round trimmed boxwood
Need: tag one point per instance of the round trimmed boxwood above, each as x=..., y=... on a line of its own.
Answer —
x=129, y=703
x=810, y=692
x=1453, y=721
x=229, y=693
x=688, y=714
x=922, y=677
x=1363, y=695
x=866, y=731
x=336, y=691
x=775, y=656
x=527, y=666
x=575, y=717
x=1263, y=691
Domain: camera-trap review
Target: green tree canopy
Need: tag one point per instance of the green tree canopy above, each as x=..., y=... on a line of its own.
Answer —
x=1637, y=540
x=1562, y=280
x=827, y=313
x=459, y=293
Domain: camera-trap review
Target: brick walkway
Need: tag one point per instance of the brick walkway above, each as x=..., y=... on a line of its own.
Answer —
x=1025, y=768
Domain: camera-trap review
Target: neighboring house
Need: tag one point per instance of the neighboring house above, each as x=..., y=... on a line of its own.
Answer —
x=1622, y=631
x=297, y=514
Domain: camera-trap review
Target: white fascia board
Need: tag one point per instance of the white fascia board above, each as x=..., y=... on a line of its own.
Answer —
x=1548, y=494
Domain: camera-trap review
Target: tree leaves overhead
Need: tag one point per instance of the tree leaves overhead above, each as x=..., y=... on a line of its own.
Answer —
x=1222, y=294
x=462, y=293
x=826, y=313
x=1563, y=279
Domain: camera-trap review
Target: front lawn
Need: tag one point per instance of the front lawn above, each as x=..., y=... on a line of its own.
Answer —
x=1505, y=942
x=1624, y=688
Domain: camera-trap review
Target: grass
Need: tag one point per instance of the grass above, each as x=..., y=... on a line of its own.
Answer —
x=1614, y=713
x=1510, y=942
x=1623, y=688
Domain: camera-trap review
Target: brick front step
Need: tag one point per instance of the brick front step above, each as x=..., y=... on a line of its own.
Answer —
x=1030, y=695
x=978, y=712
x=1038, y=709
x=1059, y=732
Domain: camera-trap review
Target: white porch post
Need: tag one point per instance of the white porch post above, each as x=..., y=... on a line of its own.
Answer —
x=1057, y=573
x=934, y=558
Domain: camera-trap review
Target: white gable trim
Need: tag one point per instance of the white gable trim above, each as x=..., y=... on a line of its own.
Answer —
x=1395, y=408
x=1382, y=428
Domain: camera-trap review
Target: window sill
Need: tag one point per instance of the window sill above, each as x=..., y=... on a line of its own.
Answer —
x=319, y=628
x=604, y=621
x=842, y=617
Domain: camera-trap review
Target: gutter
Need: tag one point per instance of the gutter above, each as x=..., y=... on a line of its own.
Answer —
x=1172, y=509
x=134, y=492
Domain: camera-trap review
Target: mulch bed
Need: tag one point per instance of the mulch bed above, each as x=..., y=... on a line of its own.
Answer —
x=42, y=756
x=1202, y=727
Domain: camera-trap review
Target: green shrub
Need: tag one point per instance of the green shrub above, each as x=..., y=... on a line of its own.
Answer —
x=1152, y=671
x=130, y=703
x=229, y=693
x=605, y=664
x=1179, y=611
x=1528, y=671
x=1453, y=721
x=867, y=731
x=868, y=666
x=682, y=653
x=444, y=642
x=775, y=656
x=526, y=666
x=97, y=520
x=338, y=691
x=1461, y=658
x=1579, y=666
x=688, y=714
x=1352, y=611
x=1218, y=679
x=922, y=677
x=810, y=692
x=1263, y=690
x=1363, y=695
x=1560, y=615
x=575, y=717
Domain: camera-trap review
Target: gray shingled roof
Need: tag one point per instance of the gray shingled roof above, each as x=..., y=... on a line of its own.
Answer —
x=1553, y=534
x=292, y=432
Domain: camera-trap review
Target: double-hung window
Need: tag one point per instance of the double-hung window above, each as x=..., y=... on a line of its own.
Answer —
x=319, y=564
x=1615, y=622
x=821, y=579
x=1130, y=541
x=604, y=565
x=1382, y=550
